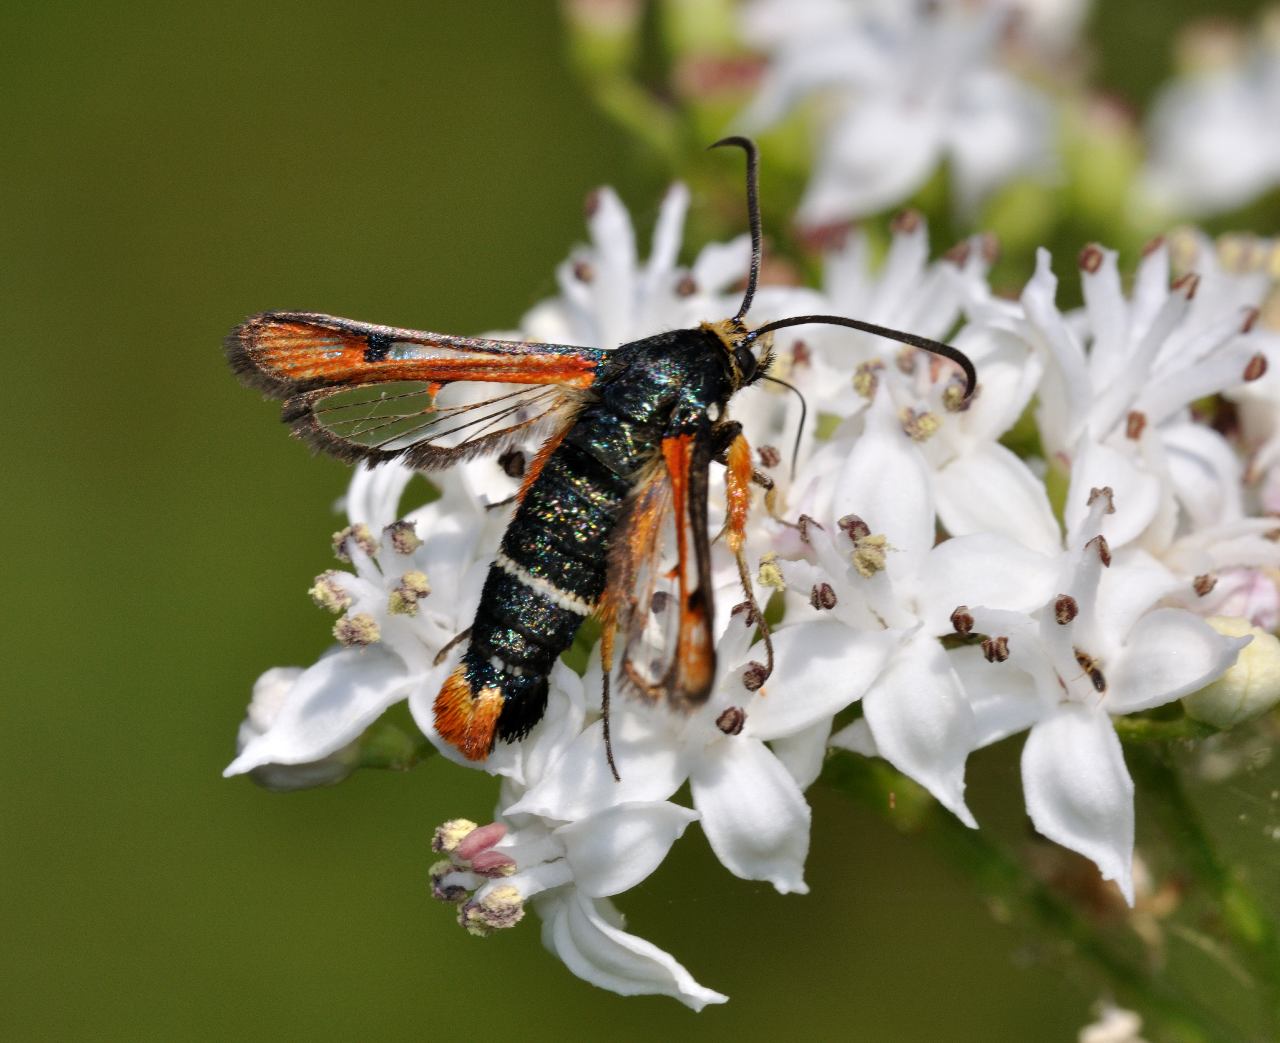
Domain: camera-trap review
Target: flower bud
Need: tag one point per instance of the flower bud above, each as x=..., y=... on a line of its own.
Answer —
x=1248, y=688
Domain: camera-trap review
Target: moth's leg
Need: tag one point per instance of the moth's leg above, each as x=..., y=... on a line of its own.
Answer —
x=453, y=641
x=723, y=436
x=502, y=503
x=738, y=477
x=607, y=633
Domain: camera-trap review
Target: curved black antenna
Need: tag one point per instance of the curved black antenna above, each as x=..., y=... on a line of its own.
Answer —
x=753, y=213
x=933, y=346
x=804, y=415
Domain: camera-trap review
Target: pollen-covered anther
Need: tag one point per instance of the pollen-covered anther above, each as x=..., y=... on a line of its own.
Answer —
x=1204, y=584
x=906, y=360
x=512, y=463
x=1134, y=424
x=919, y=425
x=853, y=527
x=869, y=555
x=1090, y=259
x=357, y=534
x=328, y=592
x=995, y=649
x=962, y=620
x=403, y=536
x=448, y=835
x=441, y=889
x=1255, y=367
x=822, y=596
x=493, y=864
x=769, y=456
x=770, y=574
x=412, y=588
x=686, y=286
x=866, y=378
x=496, y=910
x=357, y=630
x=1099, y=544
x=1107, y=493
x=1186, y=285
x=954, y=399
x=731, y=720
x=1065, y=609
x=754, y=676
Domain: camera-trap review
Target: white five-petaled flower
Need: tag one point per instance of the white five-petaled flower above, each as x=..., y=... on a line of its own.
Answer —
x=567, y=867
x=905, y=86
x=1099, y=647
x=1212, y=131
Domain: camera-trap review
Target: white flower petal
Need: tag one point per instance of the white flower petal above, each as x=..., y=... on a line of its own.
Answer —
x=613, y=851
x=922, y=723
x=986, y=570
x=1136, y=494
x=1169, y=653
x=1078, y=790
x=329, y=705
x=991, y=490
x=580, y=784
x=803, y=753
x=577, y=929
x=820, y=669
x=753, y=813
x=856, y=738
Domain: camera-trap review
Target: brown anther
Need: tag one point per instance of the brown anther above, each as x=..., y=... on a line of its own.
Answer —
x=660, y=600
x=731, y=721
x=1065, y=609
x=1203, y=584
x=512, y=463
x=803, y=525
x=592, y=203
x=906, y=222
x=583, y=272
x=801, y=354
x=1107, y=492
x=1250, y=319
x=1186, y=285
x=958, y=254
x=1152, y=246
x=687, y=286
x=1091, y=258
x=826, y=238
x=754, y=676
x=746, y=610
x=995, y=649
x=822, y=596
x=1099, y=543
x=962, y=620
x=1256, y=367
x=990, y=243
x=1272, y=534
x=769, y=456
x=1134, y=424
x=854, y=527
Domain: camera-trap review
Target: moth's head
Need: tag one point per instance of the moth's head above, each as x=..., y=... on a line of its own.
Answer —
x=749, y=353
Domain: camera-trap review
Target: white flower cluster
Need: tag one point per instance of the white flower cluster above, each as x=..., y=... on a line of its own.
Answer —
x=903, y=88
x=925, y=648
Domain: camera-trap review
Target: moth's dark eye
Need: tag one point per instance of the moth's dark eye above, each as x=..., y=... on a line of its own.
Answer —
x=746, y=363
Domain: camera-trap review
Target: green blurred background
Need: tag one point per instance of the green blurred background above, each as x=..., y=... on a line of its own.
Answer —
x=167, y=170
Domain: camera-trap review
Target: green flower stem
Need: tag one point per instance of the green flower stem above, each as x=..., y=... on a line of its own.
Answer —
x=393, y=747
x=1139, y=729
x=1247, y=924
x=1001, y=877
